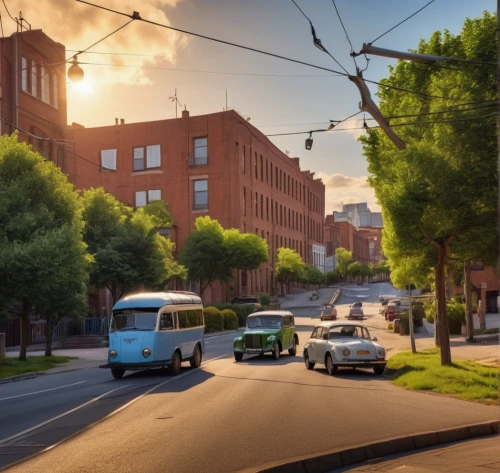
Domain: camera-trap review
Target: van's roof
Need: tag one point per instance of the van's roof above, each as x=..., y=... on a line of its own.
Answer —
x=157, y=300
x=262, y=313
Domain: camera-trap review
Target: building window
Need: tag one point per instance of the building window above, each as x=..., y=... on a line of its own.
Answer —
x=200, y=151
x=200, y=194
x=243, y=161
x=288, y=185
x=267, y=172
x=153, y=157
x=267, y=208
x=140, y=199
x=272, y=211
x=244, y=201
x=34, y=84
x=256, y=167
x=154, y=194
x=261, y=206
x=55, y=92
x=256, y=204
x=261, y=169
x=24, y=74
x=108, y=160
x=45, y=80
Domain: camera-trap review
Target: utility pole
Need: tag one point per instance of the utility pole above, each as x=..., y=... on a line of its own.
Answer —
x=177, y=101
x=410, y=319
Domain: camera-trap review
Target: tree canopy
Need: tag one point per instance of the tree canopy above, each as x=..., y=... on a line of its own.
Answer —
x=288, y=267
x=443, y=185
x=343, y=258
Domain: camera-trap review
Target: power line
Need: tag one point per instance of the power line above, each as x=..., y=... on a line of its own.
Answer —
x=1, y=24
x=402, y=89
x=395, y=125
x=345, y=31
x=401, y=22
x=204, y=71
x=8, y=13
x=228, y=43
x=124, y=54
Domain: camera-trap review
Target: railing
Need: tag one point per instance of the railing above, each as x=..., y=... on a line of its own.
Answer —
x=66, y=328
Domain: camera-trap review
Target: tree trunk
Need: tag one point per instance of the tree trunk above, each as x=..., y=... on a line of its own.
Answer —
x=437, y=339
x=469, y=321
x=482, y=320
x=25, y=330
x=48, y=343
x=442, y=316
x=449, y=283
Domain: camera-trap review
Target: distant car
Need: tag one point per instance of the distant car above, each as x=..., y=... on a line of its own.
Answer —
x=329, y=312
x=356, y=311
x=270, y=331
x=253, y=300
x=343, y=344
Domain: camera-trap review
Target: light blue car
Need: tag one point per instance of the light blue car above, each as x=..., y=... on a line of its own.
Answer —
x=156, y=330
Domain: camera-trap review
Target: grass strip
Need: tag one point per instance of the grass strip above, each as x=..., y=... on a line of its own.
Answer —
x=13, y=366
x=465, y=380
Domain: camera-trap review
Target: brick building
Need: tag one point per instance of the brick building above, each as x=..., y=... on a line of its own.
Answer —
x=217, y=165
x=33, y=91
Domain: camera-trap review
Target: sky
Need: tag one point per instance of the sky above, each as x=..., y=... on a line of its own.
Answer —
x=277, y=96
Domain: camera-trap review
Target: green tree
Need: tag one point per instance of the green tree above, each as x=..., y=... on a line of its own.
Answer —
x=354, y=270
x=39, y=209
x=312, y=275
x=366, y=271
x=128, y=251
x=343, y=258
x=443, y=184
x=205, y=254
x=288, y=267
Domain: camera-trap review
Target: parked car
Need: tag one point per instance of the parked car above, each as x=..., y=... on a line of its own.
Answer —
x=254, y=300
x=270, y=331
x=395, y=307
x=329, y=312
x=356, y=311
x=343, y=344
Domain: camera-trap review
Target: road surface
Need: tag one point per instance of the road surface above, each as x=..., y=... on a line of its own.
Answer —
x=225, y=416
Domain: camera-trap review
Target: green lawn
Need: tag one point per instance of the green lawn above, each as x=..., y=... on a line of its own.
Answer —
x=466, y=380
x=487, y=331
x=12, y=366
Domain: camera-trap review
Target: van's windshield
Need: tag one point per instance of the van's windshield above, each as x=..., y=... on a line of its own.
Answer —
x=141, y=319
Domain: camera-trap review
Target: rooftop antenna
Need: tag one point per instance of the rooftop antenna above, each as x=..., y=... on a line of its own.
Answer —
x=173, y=98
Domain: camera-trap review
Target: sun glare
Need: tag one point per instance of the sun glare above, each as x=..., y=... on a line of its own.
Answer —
x=85, y=86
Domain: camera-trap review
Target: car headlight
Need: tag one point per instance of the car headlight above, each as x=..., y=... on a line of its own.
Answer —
x=113, y=353
x=146, y=352
x=381, y=352
x=346, y=352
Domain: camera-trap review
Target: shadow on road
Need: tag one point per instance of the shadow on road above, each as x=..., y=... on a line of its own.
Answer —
x=268, y=360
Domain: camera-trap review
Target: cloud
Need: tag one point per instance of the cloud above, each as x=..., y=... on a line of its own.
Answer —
x=340, y=188
x=77, y=26
x=351, y=127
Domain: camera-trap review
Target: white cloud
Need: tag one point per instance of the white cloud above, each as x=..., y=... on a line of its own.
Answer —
x=348, y=190
x=77, y=26
x=351, y=127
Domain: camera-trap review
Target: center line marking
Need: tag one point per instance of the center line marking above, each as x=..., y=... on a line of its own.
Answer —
x=43, y=391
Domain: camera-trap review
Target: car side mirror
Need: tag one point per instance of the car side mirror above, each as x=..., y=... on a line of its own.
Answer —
x=374, y=339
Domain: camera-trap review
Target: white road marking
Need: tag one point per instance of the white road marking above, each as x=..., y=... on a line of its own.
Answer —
x=43, y=391
x=24, y=432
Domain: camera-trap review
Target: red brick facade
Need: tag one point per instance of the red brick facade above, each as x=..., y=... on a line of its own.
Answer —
x=251, y=185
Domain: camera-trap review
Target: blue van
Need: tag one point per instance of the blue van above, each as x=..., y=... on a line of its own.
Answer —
x=156, y=330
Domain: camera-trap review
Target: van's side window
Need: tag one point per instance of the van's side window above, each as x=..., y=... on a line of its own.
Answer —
x=167, y=321
x=286, y=321
x=190, y=318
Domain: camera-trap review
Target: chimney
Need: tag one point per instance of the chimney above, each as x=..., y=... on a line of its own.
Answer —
x=116, y=121
x=185, y=114
x=122, y=121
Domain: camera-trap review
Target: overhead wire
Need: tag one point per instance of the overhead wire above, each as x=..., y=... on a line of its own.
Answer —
x=401, y=22
x=402, y=89
x=228, y=43
x=346, y=33
x=8, y=13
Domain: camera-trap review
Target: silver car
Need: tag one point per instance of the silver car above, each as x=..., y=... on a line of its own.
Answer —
x=356, y=311
x=339, y=344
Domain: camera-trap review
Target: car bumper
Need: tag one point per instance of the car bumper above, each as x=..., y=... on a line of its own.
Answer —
x=136, y=366
x=361, y=364
x=253, y=351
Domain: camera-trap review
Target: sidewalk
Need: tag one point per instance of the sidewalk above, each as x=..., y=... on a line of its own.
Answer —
x=472, y=456
x=301, y=299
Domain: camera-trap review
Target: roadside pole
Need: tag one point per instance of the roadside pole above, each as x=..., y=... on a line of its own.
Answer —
x=410, y=320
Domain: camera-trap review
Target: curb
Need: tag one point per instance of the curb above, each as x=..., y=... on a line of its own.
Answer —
x=315, y=307
x=361, y=453
x=22, y=377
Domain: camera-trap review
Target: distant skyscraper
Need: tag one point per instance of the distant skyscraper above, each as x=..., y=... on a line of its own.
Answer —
x=359, y=215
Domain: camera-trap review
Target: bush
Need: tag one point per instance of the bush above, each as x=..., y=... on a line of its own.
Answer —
x=390, y=327
x=265, y=298
x=213, y=320
x=430, y=310
x=418, y=314
x=456, y=317
x=242, y=311
x=230, y=319
x=458, y=298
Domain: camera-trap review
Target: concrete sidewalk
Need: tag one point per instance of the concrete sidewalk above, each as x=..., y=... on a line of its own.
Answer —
x=301, y=299
x=471, y=456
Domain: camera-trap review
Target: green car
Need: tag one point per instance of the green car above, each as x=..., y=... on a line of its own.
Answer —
x=270, y=331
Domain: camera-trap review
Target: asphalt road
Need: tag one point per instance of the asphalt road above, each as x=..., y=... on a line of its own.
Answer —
x=225, y=416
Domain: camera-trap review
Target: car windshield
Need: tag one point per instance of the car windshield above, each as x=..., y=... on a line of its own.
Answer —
x=343, y=331
x=134, y=320
x=265, y=322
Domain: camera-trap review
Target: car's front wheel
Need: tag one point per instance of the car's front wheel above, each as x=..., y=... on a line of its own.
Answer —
x=330, y=367
x=293, y=351
x=309, y=364
x=238, y=356
x=195, y=362
x=276, y=351
x=379, y=369
x=174, y=367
